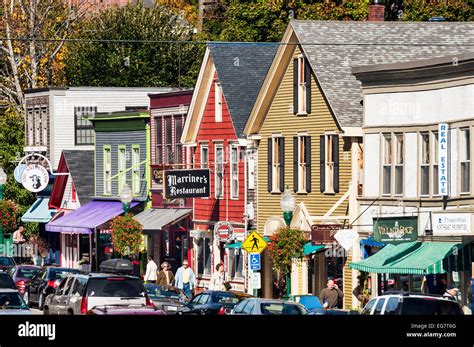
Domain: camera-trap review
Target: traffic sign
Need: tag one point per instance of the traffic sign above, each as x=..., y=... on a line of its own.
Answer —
x=255, y=280
x=254, y=243
x=254, y=261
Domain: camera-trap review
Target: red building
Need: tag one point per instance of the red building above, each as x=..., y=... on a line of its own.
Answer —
x=168, y=222
x=227, y=86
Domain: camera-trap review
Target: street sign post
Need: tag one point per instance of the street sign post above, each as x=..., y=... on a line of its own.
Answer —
x=254, y=261
x=255, y=280
x=254, y=243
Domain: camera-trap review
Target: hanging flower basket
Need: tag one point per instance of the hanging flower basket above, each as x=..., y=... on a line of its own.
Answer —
x=8, y=215
x=126, y=235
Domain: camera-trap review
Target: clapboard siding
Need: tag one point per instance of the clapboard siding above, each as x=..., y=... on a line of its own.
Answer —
x=105, y=99
x=280, y=119
x=115, y=139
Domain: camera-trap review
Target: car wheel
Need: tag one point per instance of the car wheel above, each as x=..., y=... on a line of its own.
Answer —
x=46, y=311
x=41, y=302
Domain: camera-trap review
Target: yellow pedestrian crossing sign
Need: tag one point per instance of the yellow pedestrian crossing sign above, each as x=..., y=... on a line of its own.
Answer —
x=254, y=243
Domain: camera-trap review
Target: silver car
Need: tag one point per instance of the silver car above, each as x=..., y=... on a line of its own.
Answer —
x=258, y=306
x=11, y=302
x=80, y=293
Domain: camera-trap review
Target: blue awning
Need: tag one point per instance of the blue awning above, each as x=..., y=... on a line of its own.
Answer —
x=309, y=248
x=39, y=211
x=370, y=241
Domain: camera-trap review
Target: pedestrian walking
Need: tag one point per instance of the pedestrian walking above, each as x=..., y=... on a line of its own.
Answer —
x=151, y=269
x=451, y=293
x=330, y=295
x=165, y=276
x=185, y=279
x=218, y=278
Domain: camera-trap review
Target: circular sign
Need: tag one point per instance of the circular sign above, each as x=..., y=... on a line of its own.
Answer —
x=18, y=172
x=35, y=178
x=272, y=225
x=223, y=231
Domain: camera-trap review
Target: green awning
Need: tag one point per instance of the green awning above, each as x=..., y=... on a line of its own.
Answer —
x=239, y=244
x=417, y=258
x=309, y=248
x=39, y=212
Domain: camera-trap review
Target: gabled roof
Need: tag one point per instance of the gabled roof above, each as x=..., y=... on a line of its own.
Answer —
x=334, y=47
x=241, y=69
x=81, y=169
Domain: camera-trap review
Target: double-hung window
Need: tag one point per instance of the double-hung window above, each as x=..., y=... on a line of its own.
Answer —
x=168, y=123
x=465, y=158
x=301, y=86
x=219, y=171
x=392, y=164
x=276, y=164
x=159, y=140
x=136, y=169
x=234, y=172
x=178, y=156
x=387, y=164
x=122, y=175
x=329, y=163
x=302, y=164
x=434, y=158
x=425, y=164
x=204, y=256
x=204, y=156
x=83, y=127
x=398, y=164
x=218, y=102
x=107, y=170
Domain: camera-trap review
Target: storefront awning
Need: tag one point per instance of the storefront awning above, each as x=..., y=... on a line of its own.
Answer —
x=39, y=211
x=309, y=248
x=88, y=217
x=370, y=241
x=417, y=258
x=156, y=219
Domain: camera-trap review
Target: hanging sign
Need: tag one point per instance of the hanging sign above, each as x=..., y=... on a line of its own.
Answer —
x=443, y=180
x=35, y=178
x=223, y=231
x=187, y=183
x=396, y=230
x=346, y=238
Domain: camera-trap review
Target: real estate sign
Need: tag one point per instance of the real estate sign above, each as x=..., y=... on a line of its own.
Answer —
x=396, y=230
x=446, y=224
x=187, y=183
x=443, y=180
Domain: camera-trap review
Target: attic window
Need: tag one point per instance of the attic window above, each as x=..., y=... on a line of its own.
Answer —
x=301, y=86
x=218, y=102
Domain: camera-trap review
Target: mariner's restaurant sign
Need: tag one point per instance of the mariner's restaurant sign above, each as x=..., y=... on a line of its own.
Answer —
x=395, y=230
x=187, y=183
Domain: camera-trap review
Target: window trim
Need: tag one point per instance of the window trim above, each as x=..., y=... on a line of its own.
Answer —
x=422, y=165
x=106, y=149
x=159, y=146
x=201, y=147
x=276, y=175
x=329, y=189
x=219, y=145
x=217, y=102
x=119, y=172
x=393, y=165
x=232, y=148
x=135, y=171
x=302, y=166
x=469, y=161
x=85, y=110
x=433, y=164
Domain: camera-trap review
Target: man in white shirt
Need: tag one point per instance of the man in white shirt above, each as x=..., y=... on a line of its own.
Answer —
x=151, y=269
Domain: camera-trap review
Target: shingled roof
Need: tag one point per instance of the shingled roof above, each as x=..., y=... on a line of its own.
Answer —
x=81, y=168
x=334, y=47
x=241, y=69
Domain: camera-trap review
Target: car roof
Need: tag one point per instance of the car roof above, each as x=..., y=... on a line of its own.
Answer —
x=8, y=290
x=20, y=266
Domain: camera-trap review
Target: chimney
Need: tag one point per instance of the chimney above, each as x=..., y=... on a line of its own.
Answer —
x=376, y=12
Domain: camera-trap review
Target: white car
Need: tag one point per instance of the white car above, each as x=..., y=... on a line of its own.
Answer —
x=258, y=306
x=11, y=303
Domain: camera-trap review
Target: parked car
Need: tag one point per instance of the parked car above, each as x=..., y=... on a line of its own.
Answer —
x=6, y=262
x=11, y=302
x=258, y=306
x=79, y=293
x=6, y=281
x=405, y=303
x=44, y=283
x=212, y=302
x=310, y=302
x=167, y=298
x=334, y=312
x=22, y=274
x=126, y=310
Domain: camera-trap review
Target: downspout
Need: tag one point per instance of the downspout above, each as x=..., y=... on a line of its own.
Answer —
x=246, y=275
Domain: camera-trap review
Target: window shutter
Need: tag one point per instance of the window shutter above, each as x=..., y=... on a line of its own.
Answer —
x=295, y=163
x=307, y=79
x=335, y=151
x=322, y=166
x=307, y=155
x=270, y=165
x=295, y=86
x=282, y=163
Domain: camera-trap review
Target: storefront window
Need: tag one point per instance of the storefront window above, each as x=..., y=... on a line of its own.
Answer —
x=204, y=256
x=236, y=260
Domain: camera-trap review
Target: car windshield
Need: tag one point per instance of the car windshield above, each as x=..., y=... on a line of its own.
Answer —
x=27, y=272
x=429, y=306
x=115, y=287
x=59, y=274
x=225, y=298
x=6, y=281
x=5, y=261
x=310, y=302
x=12, y=301
x=279, y=308
x=159, y=292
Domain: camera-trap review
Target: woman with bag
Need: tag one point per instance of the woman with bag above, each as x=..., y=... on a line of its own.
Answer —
x=165, y=276
x=218, y=281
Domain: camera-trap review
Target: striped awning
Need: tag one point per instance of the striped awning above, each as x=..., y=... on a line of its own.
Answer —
x=417, y=258
x=39, y=212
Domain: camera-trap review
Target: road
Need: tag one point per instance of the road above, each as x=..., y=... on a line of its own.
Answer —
x=35, y=311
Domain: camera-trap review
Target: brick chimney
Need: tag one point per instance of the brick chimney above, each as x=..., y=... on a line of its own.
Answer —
x=376, y=12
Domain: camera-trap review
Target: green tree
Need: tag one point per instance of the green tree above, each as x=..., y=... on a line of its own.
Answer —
x=451, y=10
x=174, y=61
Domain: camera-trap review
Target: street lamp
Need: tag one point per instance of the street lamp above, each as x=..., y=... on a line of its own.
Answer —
x=126, y=197
x=287, y=204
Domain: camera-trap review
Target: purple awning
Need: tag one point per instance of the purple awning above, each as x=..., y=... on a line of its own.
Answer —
x=88, y=217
